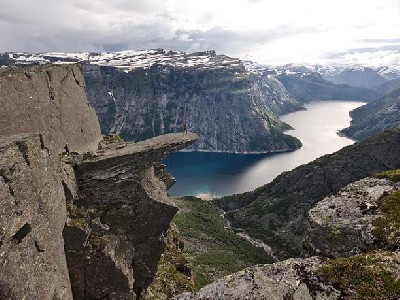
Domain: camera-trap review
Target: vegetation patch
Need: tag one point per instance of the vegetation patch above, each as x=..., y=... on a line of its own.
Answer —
x=213, y=249
x=369, y=276
x=267, y=235
x=387, y=228
x=173, y=272
x=393, y=175
x=113, y=138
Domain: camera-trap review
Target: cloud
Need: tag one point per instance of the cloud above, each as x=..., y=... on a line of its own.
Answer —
x=278, y=32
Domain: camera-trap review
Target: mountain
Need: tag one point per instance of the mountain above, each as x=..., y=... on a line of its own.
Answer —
x=388, y=86
x=358, y=76
x=141, y=94
x=311, y=86
x=375, y=117
x=233, y=105
x=354, y=76
x=277, y=212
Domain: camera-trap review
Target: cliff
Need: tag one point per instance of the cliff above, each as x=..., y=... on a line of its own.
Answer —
x=277, y=212
x=118, y=218
x=230, y=109
x=32, y=218
x=48, y=99
x=85, y=225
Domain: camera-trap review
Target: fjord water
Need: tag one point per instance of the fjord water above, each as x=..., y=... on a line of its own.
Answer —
x=207, y=174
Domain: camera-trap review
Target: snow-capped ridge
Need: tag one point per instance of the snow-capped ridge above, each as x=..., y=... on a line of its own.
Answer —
x=132, y=59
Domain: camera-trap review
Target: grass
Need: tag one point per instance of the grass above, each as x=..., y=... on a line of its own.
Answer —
x=368, y=276
x=113, y=139
x=387, y=228
x=393, y=175
x=254, y=229
x=173, y=271
x=213, y=249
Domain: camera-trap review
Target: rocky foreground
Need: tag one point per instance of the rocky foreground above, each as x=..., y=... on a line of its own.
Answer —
x=356, y=228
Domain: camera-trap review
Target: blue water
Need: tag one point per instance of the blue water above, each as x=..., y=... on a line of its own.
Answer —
x=208, y=174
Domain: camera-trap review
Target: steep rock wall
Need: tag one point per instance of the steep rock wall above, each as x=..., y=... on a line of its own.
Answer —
x=119, y=218
x=229, y=108
x=48, y=99
x=32, y=217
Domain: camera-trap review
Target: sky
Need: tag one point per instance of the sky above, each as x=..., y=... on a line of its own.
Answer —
x=272, y=32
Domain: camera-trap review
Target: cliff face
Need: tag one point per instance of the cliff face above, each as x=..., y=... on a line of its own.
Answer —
x=48, y=99
x=51, y=101
x=118, y=220
x=277, y=212
x=85, y=225
x=32, y=218
x=229, y=108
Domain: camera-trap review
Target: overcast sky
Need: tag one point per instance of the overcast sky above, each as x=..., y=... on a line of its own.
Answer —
x=267, y=31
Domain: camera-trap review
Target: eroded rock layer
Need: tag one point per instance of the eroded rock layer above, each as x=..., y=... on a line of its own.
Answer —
x=118, y=221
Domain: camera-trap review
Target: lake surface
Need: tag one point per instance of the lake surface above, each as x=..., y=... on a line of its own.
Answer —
x=207, y=174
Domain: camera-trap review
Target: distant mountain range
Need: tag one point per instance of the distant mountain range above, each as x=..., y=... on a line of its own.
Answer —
x=353, y=75
x=233, y=105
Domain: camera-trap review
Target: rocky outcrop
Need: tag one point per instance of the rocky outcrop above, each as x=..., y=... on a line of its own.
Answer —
x=375, y=117
x=342, y=225
x=348, y=223
x=290, y=279
x=277, y=212
x=32, y=218
x=49, y=99
x=369, y=276
x=119, y=218
x=86, y=225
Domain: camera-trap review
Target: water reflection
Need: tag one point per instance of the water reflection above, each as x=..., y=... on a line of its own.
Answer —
x=225, y=174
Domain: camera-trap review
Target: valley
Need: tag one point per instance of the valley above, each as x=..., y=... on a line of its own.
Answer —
x=112, y=194
x=208, y=175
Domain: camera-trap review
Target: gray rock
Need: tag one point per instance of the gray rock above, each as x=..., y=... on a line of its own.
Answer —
x=118, y=221
x=49, y=99
x=290, y=279
x=85, y=225
x=32, y=218
x=341, y=225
